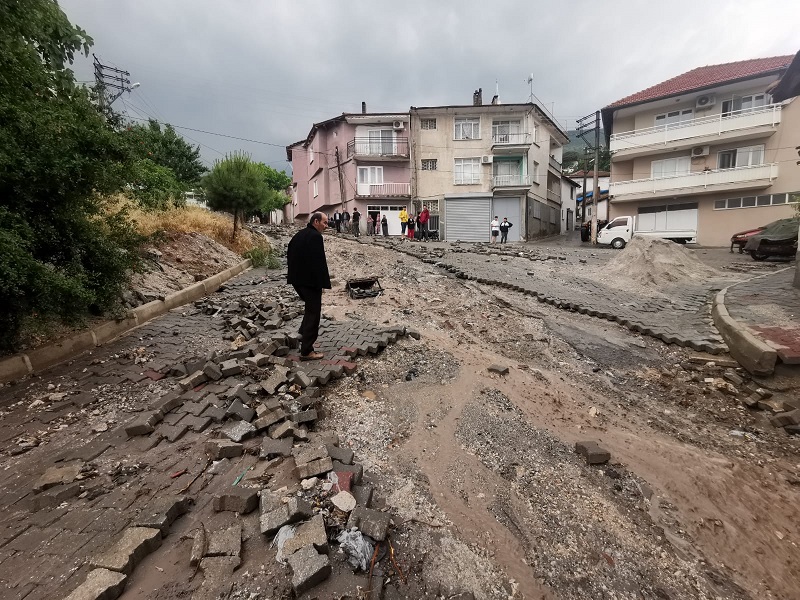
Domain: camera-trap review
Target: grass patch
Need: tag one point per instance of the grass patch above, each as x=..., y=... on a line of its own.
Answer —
x=189, y=219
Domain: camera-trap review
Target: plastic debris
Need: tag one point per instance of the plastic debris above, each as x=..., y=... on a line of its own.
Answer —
x=284, y=533
x=357, y=547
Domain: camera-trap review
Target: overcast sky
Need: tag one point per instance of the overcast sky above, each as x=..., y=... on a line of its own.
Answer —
x=267, y=70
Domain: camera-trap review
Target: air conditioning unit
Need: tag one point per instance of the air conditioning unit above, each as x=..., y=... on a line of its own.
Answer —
x=700, y=151
x=397, y=125
x=486, y=159
x=704, y=102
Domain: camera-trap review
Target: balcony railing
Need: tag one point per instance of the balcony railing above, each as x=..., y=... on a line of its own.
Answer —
x=395, y=147
x=384, y=190
x=696, y=181
x=715, y=125
x=555, y=164
x=511, y=139
x=510, y=180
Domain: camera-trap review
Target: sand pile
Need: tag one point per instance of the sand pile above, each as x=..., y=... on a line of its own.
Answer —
x=653, y=261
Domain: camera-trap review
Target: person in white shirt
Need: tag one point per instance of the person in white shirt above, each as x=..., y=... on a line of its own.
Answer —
x=495, y=226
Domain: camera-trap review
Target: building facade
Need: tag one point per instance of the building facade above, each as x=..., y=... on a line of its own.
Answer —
x=473, y=162
x=353, y=160
x=708, y=151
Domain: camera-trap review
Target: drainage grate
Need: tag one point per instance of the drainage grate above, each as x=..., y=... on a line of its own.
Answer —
x=365, y=287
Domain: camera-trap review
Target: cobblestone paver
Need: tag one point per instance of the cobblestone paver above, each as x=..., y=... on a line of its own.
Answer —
x=80, y=414
x=770, y=306
x=680, y=314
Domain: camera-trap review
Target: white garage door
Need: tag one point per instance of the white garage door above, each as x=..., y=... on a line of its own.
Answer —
x=468, y=219
x=672, y=217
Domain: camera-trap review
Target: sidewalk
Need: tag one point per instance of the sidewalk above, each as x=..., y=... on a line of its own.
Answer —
x=769, y=307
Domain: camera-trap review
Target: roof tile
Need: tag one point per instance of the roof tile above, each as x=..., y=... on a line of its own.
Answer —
x=703, y=77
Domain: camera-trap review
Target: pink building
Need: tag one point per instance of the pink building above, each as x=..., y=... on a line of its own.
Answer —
x=353, y=160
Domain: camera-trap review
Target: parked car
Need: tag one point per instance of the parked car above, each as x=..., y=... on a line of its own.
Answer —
x=777, y=239
x=740, y=239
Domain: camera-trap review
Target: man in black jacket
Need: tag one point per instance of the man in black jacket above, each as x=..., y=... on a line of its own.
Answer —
x=308, y=273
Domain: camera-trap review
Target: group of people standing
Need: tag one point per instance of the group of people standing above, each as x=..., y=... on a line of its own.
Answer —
x=377, y=224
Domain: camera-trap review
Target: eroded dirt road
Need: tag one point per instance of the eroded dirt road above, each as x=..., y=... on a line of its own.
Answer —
x=689, y=508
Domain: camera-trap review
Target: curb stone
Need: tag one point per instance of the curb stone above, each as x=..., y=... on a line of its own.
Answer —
x=750, y=352
x=20, y=365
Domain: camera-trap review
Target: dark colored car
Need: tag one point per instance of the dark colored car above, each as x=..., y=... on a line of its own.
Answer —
x=740, y=239
x=777, y=239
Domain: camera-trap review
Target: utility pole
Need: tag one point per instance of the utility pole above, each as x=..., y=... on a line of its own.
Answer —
x=585, y=171
x=341, y=179
x=584, y=129
x=110, y=83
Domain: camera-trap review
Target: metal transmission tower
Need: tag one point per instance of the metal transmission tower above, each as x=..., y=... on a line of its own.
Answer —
x=585, y=128
x=111, y=83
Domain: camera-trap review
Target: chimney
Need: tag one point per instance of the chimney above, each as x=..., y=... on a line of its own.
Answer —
x=495, y=100
x=363, y=108
x=477, y=97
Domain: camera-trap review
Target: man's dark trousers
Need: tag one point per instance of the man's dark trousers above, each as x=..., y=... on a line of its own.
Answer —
x=309, y=328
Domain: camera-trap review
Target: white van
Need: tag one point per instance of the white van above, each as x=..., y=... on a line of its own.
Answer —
x=620, y=231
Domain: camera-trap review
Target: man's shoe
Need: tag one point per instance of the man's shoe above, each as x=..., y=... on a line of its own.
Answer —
x=312, y=356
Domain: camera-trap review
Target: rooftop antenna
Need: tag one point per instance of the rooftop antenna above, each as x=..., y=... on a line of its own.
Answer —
x=530, y=82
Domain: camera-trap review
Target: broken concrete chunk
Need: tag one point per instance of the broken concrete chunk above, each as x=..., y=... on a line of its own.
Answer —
x=145, y=424
x=130, y=549
x=225, y=542
x=305, y=416
x=193, y=380
x=783, y=419
x=362, y=494
x=343, y=455
x=309, y=568
x=100, y=584
x=237, y=430
x=240, y=500
x=272, y=519
x=163, y=512
x=370, y=522
x=199, y=546
x=230, y=368
x=218, y=449
x=315, y=467
x=238, y=410
x=592, y=452
x=356, y=469
x=499, y=369
x=306, y=453
x=212, y=371
x=310, y=533
x=344, y=501
x=259, y=360
x=271, y=448
x=269, y=418
x=57, y=476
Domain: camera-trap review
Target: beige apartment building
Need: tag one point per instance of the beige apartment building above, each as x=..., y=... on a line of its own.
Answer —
x=707, y=151
x=473, y=162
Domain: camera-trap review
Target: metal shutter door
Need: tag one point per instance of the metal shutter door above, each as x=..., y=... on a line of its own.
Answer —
x=468, y=219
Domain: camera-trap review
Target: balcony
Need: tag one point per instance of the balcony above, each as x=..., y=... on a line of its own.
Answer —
x=555, y=165
x=735, y=126
x=383, y=190
x=374, y=149
x=554, y=196
x=510, y=181
x=505, y=143
x=702, y=182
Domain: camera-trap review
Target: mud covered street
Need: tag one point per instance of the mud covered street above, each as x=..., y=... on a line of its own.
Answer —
x=477, y=470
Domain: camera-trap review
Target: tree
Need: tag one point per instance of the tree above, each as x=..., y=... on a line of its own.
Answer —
x=166, y=148
x=278, y=182
x=154, y=186
x=236, y=184
x=61, y=253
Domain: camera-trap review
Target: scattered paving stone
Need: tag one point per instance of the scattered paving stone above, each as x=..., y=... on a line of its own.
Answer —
x=499, y=369
x=344, y=501
x=57, y=476
x=309, y=568
x=281, y=430
x=144, y=424
x=199, y=546
x=271, y=448
x=370, y=522
x=306, y=416
x=272, y=519
x=198, y=424
x=259, y=360
x=238, y=410
x=171, y=433
x=193, y=380
x=240, y=500
x=362, y=494
x=343, y=455
x=100, y=584
x=167, y=403
x=225, y=542
x=230, y=368
x=217, y=449
x=268, y=419
x=310, y=533
x=212, y=371
x=130, y=549
x=55, y=495
x=237, y=430
x=163, y=512
x=217, y=577
x=786, y=418
x=315, y=467
x=592, y=452
x=356, y=469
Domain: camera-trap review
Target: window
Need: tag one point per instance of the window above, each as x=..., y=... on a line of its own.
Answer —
x=618, y=222
x=429, y=164
x=535, y=178
x=747, y=156
x=370, y=175
x=431, y=205
x=316, y=189
x=751, y=201
x=675, y=116
x=506, y=132
x=745, y=103
x=670, y=167
x=467, y=171
x=427, y=123
x=381, y=141
x=467, y=128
